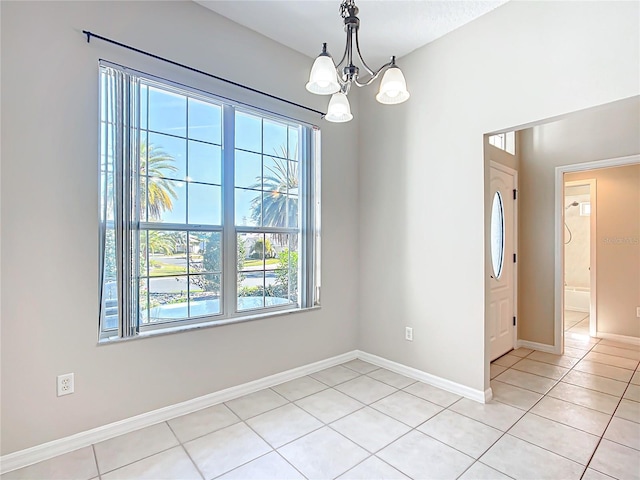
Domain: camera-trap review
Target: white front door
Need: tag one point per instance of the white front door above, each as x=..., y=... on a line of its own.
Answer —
x=501, y=321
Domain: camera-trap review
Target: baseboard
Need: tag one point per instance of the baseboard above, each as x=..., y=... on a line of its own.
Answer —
x=448, y=385
x=542, y=347
x=29, y=456
x=619, y=338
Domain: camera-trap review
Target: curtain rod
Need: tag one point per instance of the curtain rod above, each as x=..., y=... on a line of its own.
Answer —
x=187, y=67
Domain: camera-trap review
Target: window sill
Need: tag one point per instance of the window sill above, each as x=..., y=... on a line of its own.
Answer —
x=203, y=325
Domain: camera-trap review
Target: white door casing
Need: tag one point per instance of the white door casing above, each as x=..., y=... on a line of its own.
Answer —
x=502, y=270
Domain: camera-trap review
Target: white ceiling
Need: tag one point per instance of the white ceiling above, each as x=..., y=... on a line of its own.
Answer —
x=388, y=27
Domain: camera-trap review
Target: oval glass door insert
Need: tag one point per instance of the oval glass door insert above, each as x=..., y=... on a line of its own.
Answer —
x=497, y=235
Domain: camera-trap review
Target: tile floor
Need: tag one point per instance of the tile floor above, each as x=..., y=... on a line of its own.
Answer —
x=557, y=417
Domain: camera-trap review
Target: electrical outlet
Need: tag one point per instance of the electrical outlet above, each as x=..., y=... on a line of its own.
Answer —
x=408, y=333
x=65, y=384
x=638, y=312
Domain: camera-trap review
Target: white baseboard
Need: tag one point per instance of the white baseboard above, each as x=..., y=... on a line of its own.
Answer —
x=448, y=385
x=542, y=347
x=619, y=338
x=29, y=456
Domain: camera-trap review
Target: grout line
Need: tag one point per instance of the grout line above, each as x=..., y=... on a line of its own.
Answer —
x=95, y=459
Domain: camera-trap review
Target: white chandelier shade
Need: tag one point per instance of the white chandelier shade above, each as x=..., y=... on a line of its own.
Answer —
x=339, y=110
x=393, y=87
x=323, y=79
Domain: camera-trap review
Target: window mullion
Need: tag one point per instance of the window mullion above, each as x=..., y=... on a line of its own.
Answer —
x=229, y=241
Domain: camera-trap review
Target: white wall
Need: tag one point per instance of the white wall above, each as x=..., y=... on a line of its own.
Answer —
x=422, y=172
x=50, y=221
x=576, y=239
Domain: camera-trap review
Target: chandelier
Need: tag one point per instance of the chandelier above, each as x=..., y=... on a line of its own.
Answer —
x=328, y=79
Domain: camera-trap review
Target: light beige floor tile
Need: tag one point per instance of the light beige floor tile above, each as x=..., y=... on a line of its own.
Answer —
x=329, y=405
x=283, y=424
x=542, y=369
x=514, y=396
x=335, y=375
x=525, y=380
x=602, y=370
x=365, y=389
x=370, y=429
x=373, y=469
x=573, y=415
x=323, y=454
x=523, y=460
x=268, y=467
x=629, y=410
x=507, y=360
x=618, y=352
x=583, y=396
x=636, y=378
x=591, y=474
x=360, y=366
x=616, y=461
x=613, y=343
x=120, y=451
x=416, y=453
x=521, y=352
x=594, y=382
x=79, y=464
x=567, y=441
x=574, y=317
x=391, y=378
x=196, y=424
x=219, y=452
x=480, y=471
x=462, y=433
x=633, y=393
x=495, y=370
x=299, y=388
x=494, y=414
x=581, y=341
x=624, y=432
x=575, y=352
x=407, y=408
x=256, y=403
x=433, y=394
x=559, y=360
x=168, y=465
x=612, y=360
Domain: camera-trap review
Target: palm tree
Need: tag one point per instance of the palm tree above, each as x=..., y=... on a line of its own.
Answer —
x=279, y=180
x=158, y=165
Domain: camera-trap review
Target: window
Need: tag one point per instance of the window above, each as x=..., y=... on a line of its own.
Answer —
x=504, y=141
x=209, y=210
x=497, y=235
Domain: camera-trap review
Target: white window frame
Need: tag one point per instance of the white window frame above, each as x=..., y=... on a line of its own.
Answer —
x=126, y=147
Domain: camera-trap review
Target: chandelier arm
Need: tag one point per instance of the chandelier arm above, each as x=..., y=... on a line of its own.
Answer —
x=344, y=55
x=364, y=64
x=374, y=75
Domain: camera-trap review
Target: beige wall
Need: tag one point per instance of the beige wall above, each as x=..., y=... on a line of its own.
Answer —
x=50, y=220
x=423, y=174
x=577, y=231
x=617, y=247
x=601, y=133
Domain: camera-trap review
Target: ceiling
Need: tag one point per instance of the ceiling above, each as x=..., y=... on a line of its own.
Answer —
x=388, y=27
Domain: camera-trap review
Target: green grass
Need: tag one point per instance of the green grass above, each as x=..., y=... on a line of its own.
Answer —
x=258, y=263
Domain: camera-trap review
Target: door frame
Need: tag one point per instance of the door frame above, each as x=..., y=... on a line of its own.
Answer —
x=593, y=200
x=514, y=174
x=559, y=239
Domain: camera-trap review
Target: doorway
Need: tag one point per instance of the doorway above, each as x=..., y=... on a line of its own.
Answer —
x=502, y=290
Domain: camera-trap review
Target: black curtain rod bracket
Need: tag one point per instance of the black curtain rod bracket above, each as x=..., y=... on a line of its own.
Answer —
x=192, y=69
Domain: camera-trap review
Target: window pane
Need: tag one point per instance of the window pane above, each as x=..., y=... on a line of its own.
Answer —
x=167, y=299
x=206, y=252
x=248, y=207
x=204, y=204
x=204, y=295
x=205, y=163
x=167, y=200
x=292, y=208
x=248, y=169
x=167, y=112
x=165, y=157
x=248, y=132
x=167, y=253
x=205, y=121
x=275, y=139
x=144, y=93
x=497, y=235
x=293, y=143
